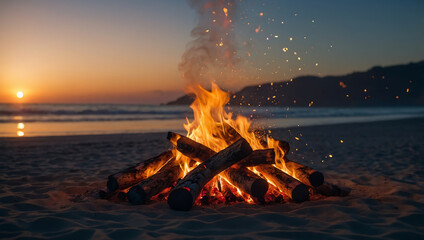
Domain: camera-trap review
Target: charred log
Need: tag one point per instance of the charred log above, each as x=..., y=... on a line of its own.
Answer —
x=259, y=157
x=190, y=148
x=201, y=153
x=247, y=181
x=296, y=190
x=229, y=134
x=263, y=138
x=240, y=177
x=153, y=185
x=183, y=196
x=285, y=146
x=137, y=173
x=302, y=173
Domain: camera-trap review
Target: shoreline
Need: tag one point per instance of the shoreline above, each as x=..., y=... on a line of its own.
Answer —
x=177, y=125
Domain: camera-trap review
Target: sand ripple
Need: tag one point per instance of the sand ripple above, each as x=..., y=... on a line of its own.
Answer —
x=47, y=186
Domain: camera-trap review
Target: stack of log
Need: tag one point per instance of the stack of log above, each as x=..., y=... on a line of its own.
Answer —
x=249, y=170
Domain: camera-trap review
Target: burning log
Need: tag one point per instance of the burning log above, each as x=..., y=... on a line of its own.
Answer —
x=247, y=181
x=201, y=153
x=240, y=177
x=296, y=190
x=185, y=193
x=302, y=173
x=264, y=137
x=154, y=184
x=285, y=146
x=229, y=134
x=190, y=148
x=259, y=157
x=135, y=174
x=227, y=193
x=329, y=189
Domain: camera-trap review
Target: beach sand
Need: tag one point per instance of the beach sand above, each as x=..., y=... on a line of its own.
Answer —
x=47, y=185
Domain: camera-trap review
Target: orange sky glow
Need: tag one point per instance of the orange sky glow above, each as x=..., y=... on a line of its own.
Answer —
x=63, y=53
x=105, y=51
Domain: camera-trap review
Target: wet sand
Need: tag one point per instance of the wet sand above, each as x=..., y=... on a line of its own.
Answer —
x=47, y=184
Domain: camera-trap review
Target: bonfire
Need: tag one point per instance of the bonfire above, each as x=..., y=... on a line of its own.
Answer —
x=221, y=159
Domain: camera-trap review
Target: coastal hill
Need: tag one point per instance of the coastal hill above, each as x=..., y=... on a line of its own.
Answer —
x=379, y=86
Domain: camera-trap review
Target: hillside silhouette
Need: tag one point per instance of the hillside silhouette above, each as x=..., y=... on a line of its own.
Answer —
x=379, y=86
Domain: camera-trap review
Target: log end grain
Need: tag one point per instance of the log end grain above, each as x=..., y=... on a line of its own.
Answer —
x=173, y=137
x=300, y=193
x=136, y=195
x=285, y=146
x=316, y=179
x=180, y=199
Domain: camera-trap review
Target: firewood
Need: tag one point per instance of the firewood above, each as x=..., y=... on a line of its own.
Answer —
x=301, y=172
x=263, y=138
x=247, y=181
x=329, y=189
x=265, y=156
x=133, y=175
x=258, y=157
x=241, y=177
x=229, y=134
x=285, y=146
x=290, y=186
x=185, y=193
x=154, y=184
x=201, y=153
x=190, y=148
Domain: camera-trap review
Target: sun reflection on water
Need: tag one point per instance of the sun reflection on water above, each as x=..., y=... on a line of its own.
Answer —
x=20, y=128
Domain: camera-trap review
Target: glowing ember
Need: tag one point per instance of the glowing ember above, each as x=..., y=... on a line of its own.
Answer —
x=225, y=10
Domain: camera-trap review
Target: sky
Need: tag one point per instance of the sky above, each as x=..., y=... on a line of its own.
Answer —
x=105, y=51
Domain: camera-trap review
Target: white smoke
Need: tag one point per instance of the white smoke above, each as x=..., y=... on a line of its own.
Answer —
x=211, y=56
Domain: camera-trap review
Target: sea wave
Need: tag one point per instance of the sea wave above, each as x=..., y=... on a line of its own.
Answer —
x=116, y=112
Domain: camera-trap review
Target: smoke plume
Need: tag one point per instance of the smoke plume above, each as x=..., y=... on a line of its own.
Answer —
x=211, y=56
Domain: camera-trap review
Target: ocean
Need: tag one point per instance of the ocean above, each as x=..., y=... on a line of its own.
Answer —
x=26, y=120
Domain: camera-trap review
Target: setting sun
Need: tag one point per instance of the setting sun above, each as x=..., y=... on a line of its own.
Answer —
x=20, y=94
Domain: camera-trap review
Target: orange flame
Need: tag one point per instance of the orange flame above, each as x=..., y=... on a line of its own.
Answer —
x=210, y=128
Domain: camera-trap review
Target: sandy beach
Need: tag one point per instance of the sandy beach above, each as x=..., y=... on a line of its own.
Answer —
x=48, y=185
